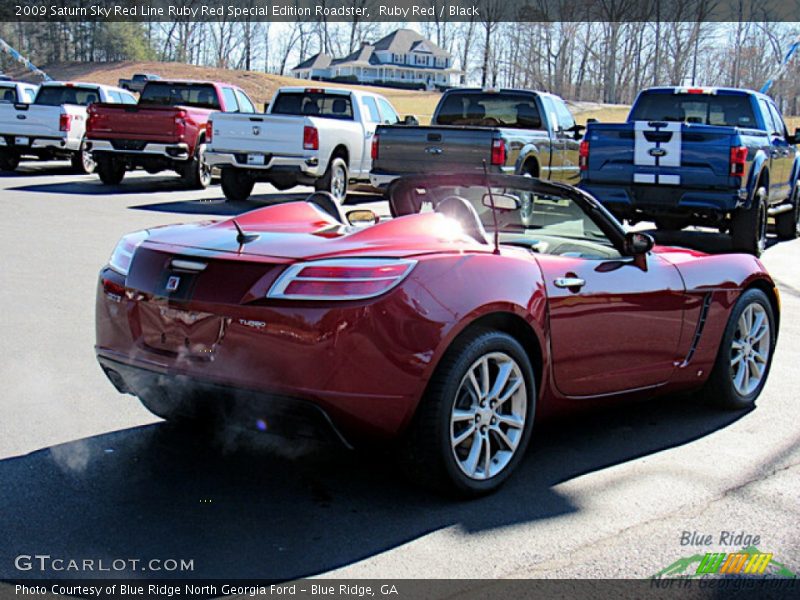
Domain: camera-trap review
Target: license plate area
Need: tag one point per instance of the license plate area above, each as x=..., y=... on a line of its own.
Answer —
x=187, y=333
x=258, y=160
x=21, y=140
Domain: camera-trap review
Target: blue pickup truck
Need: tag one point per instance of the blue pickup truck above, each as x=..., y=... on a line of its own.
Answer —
x=717, y=157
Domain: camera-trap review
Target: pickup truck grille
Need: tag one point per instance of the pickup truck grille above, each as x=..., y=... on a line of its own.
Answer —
x=128, y=144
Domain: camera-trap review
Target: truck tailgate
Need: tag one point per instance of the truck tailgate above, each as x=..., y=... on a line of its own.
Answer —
x=660, y=153
x=403, y=149
x=265, y=134
x=35, y=121
x=114, y=121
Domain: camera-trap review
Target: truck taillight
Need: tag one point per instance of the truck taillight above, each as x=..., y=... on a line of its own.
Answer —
x=498, y=152
x=209, y=131
x=738, y=160
x=340, y=279
x=375, y=147
x=65, y=122
x=310, y=138
x=583, y=155
x=180, y=123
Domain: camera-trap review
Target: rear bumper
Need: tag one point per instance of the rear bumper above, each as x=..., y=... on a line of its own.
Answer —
x=176, y=152
x=36, y=143
x=305, y=165
x=173, y=396
x=662, y=199
x=382, y=180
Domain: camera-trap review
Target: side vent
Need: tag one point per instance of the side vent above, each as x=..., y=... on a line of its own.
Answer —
x=701, y=323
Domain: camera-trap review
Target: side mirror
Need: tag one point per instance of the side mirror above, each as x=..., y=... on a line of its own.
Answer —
x=591, y=120
x=266, y=107
x=501, y=201
x=577, y=131
x=638, y=243
x=411, y=120
x=362, y=218
x=795, y=139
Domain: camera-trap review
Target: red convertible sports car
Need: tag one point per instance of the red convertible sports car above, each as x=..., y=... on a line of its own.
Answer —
x=425, y=330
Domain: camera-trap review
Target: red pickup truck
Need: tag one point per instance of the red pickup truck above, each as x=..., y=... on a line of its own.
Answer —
x=165, y=130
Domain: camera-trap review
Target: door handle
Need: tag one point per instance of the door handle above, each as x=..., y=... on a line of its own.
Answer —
x=569, y=282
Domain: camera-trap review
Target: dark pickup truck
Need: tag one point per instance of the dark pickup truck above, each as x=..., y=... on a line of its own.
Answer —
x=166, y=129
x=719, y=157
x=512, y=131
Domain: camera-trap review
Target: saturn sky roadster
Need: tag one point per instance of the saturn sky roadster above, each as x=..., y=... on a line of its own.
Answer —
x=488, y=302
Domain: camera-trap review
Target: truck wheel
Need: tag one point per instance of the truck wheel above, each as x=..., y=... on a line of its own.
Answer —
x=9, y=162
x=82, y=161
x=787, y=225
x=110, y=170
x=197, y=174
x=236, y=184
x=745, y=354
x=749, y=225
x=334, y=180
x=670, y=224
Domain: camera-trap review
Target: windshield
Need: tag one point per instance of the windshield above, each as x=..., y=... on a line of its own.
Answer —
x=199, y=95
x=544, y=223
x=56, y=95
x=507, y=109
x=732, y=110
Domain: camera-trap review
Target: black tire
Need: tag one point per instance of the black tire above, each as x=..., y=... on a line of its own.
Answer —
x=749, y=225
x=197, y=173
x=670, y=224
x=110, y=170
x=787, y=225
x=237, y=185
x=335, y=179
x=428, y=452
x=82, y=161
x=9, y=162
x=721, y=389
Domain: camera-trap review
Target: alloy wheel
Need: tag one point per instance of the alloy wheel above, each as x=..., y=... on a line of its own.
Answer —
x=487, y=419
x=338, y=183
x=750, y=349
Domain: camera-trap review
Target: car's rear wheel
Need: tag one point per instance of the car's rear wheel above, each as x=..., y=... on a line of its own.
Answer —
x=197, y=173
x=110, y=170
x=236, y=184
x=749, y=225
x=82, y=161
x=9, y=162
x=474, y=423
x=334, y=180
x=745, y=354
x=787, y=224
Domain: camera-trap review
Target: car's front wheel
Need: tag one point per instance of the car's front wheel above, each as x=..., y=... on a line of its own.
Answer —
x=787, y=224
x=474, y=423
x=745, y=355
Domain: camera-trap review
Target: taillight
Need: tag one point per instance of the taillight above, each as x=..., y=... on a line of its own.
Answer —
x=375, y=147
x=122, y=255
x=209, y=131
x=64, y=122
x=738, y=160
x=498, y=152
x=340, y=279
x=180, y=123
x=583, y=155
x=310, y=138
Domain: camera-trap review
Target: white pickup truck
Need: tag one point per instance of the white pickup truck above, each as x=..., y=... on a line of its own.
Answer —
x=53, y=126
x=308, y=136
x=17, y=92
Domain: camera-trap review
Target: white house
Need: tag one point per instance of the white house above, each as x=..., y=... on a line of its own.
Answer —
x=403, y=56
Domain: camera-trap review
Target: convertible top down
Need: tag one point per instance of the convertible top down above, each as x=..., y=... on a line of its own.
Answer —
x=425, y=331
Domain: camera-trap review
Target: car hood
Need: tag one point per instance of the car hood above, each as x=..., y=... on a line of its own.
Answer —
x=298, y=230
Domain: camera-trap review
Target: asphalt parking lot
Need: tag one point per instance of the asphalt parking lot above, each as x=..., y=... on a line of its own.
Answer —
x=89, y=473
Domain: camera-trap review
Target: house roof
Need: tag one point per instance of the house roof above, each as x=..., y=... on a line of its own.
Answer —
x=364, y=55
x=318, y=61
x=406, y=40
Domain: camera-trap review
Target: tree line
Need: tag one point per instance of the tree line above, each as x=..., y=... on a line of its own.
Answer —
x=601, y=61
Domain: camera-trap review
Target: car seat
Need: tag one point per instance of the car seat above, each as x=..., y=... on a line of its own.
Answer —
x=461, y=210
x=339, y=106
x=327, y=204
x=9, y=96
